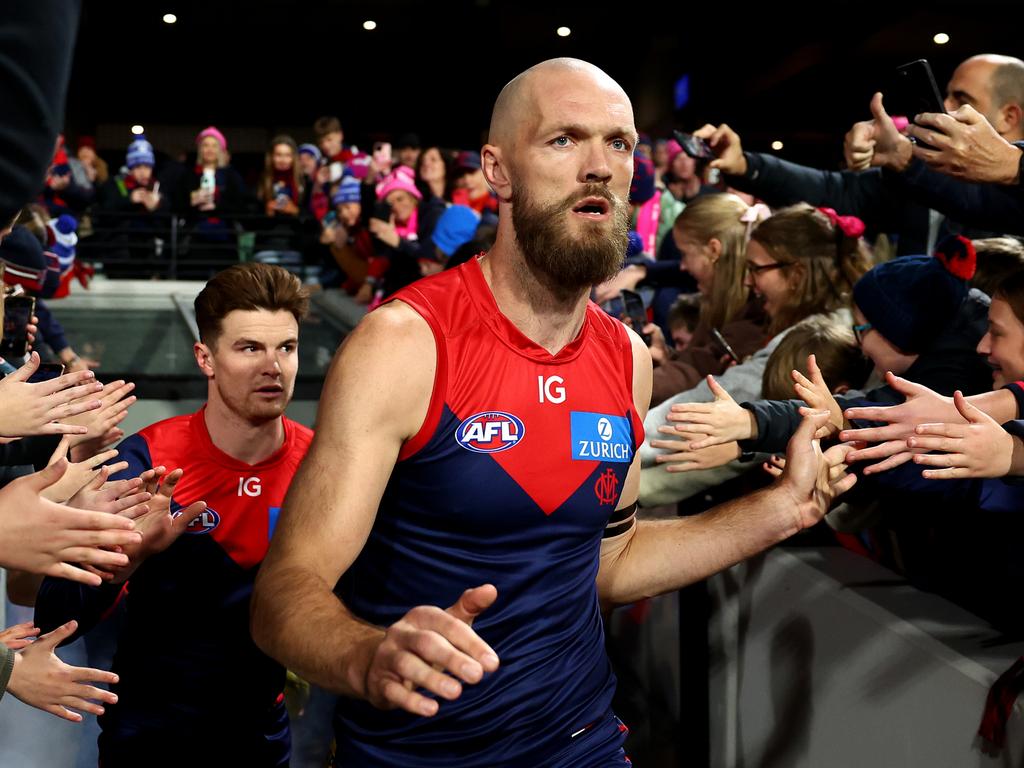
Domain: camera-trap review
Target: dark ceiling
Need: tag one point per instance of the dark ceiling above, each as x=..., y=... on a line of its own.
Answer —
x=799, y=73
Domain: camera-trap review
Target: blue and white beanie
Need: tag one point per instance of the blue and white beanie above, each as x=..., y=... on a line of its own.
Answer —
x=140, y=152
x=311, y=149
x=349, y=191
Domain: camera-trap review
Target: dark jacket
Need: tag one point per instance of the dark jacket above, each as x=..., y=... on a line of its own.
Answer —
x=893, y=203
x=33, y=92
x=951, y=363
x=880, y=203
x=993, y=207
x=50, y=330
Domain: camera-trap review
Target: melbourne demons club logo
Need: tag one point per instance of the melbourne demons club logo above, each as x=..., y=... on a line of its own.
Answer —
x=490, y=432
x=205, y=523
x=606, y=486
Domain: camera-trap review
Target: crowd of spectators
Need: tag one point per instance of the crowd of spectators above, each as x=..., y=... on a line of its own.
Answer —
x=875, y=292
x=367, y=223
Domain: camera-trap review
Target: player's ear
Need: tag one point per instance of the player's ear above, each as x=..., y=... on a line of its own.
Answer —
x=496, y=171
x=204, y=358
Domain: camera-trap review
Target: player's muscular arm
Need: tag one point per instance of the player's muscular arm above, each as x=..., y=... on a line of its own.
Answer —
x=653, y=557
x=375, y=397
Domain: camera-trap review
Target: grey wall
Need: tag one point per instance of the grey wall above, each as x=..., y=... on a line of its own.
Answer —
x=822, y=658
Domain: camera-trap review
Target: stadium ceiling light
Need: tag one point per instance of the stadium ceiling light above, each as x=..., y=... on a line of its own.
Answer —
x=776, y=145
x=369, y=25
x=563, y=31
x=138, y=130
x=941, y=38
x=170, y=18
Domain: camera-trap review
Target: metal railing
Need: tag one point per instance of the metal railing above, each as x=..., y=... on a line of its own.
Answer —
x=169, y=246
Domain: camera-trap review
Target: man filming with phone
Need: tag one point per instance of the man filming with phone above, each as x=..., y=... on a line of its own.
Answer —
x=887, y=186
x=976, y=139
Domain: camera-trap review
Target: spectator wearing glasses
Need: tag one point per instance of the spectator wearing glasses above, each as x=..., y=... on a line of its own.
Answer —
x=803, y=263
x=914, y=316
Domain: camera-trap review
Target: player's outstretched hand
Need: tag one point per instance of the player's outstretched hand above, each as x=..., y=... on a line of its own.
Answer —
x=433, y=649
x=812, y=479
x=160, y=526
x=42, y=537
x=118, y=497
x=41, y=680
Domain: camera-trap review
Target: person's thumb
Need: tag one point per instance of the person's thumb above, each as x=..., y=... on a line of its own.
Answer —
x=40, y=481
x=809, y=425
x=184, y=518
x=30, y=367
x=473, y=602
x=717, y=389
x=52, y=639
x=61, y=451
x=813, y=370
x=878, y=109
x=968, y=411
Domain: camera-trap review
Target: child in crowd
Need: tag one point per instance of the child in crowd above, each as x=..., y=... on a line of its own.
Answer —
x=683, y=316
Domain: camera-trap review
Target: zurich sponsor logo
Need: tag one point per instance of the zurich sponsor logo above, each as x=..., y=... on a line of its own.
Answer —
x=600, y=437
x=205, y=523
x=490, y=432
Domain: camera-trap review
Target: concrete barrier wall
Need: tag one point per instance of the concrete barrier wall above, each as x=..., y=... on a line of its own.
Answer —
x=822, y=659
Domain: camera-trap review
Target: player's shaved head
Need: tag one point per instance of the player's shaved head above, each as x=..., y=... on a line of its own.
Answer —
x=517, y=102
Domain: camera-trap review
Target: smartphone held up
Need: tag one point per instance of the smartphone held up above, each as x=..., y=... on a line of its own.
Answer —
x=18, y=311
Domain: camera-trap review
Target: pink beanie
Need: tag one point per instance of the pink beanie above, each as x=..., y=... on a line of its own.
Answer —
x=401, y=178
x=211, y=131
x=674, y=148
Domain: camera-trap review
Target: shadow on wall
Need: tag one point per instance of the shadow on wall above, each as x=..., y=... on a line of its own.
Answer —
x=791, y=660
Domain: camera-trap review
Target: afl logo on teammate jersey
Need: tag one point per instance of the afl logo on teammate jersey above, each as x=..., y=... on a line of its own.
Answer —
x=205, y=523
x=490, y=432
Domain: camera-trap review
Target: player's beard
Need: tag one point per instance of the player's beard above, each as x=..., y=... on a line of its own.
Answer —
x=563, y=262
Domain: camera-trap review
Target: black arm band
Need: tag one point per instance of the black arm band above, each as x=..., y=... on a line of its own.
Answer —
x=621, y=521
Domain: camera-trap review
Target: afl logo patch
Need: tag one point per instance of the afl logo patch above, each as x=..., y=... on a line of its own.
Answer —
x=490, y=432
x=205, y=523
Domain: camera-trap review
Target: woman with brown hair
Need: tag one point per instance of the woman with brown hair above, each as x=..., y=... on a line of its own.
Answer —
x=804, y=261
x=712, y=233
x=281, y=185
x=801, y=262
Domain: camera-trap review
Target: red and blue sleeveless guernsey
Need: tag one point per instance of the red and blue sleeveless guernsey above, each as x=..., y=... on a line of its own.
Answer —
x=194, y=689
x=510, y=481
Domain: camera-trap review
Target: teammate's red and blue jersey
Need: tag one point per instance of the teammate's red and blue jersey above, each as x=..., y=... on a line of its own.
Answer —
x=511, y=481
x=191, y=677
